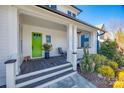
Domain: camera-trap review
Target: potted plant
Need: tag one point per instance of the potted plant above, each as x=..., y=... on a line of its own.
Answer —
x=47, y=47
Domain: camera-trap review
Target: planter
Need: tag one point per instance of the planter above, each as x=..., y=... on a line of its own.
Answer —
x=47, y=55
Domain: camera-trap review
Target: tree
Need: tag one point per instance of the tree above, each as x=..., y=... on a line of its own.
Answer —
x=119, y=37
x=113, y=25
x=108, y=49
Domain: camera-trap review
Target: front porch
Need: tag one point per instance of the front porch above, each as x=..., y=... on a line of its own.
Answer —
x=41, y=63
x=62, y=32
x=67, y=36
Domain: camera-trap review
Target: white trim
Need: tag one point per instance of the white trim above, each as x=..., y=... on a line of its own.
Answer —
x=56, y=80
x=41, y=78
x=74, y=45
x=41, y=71
x=69, y=43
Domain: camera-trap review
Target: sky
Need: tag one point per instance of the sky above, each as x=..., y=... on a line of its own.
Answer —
x=102, y=14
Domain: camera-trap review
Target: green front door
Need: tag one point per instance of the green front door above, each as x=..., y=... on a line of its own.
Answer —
x=36, y=44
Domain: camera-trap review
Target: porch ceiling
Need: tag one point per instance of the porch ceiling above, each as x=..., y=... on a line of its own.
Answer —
x=30, y=20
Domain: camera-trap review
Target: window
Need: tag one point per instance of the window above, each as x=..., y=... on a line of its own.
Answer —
x=53, y=6
x=48, y=38
x=69, y=13
x=85, y=40
x=74, y=15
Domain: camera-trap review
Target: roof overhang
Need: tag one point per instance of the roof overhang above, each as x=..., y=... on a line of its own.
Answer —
x=72, y=18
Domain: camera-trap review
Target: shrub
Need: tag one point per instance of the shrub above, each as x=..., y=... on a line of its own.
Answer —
x=118, y=84
x=98, y=59
x=121, y=76
x=118, y=71
x=106, y=71
x=119, y=59
x=108, y=49
x=113, y=64
x=86, y=64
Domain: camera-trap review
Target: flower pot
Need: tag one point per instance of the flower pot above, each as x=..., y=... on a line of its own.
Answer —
x=46, y=54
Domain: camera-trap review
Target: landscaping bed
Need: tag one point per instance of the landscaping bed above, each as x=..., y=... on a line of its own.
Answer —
x=94, y=79
x=105, y=69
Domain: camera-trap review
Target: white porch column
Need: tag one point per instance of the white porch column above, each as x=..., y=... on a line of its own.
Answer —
x=69, y=43
x=93, y=49
x=74, y=54
x=13, y=36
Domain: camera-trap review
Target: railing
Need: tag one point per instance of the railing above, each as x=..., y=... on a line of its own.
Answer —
x=79, y=53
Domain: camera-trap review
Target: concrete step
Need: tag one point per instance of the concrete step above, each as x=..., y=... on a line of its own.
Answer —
x=44, y=77
x=40, y=71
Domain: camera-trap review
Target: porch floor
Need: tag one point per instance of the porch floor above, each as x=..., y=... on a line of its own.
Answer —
x=41, y=63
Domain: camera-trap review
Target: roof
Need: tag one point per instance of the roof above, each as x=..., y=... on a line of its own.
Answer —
x=100, y=26
x=67, y=16
x=76, y=8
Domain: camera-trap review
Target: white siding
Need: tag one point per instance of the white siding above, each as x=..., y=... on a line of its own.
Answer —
x=4, y=48
x=8, y=31
x=65, y=8
x=58, y=39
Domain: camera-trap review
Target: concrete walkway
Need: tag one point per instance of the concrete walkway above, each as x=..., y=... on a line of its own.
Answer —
x=74, y=81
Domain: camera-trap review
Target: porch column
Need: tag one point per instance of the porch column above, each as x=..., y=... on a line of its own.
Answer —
x=93, y=49
x=74, y=54
x=69, y=43
x=13, y=36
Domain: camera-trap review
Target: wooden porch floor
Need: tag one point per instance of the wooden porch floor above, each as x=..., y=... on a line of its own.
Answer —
x=41, y=63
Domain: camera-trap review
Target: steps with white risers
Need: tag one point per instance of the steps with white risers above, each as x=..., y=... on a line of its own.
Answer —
x=44, y=77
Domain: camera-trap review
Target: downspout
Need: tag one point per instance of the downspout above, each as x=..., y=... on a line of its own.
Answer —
x=99, y=40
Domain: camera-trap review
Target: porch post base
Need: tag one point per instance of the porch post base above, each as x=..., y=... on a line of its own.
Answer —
x=10, y=73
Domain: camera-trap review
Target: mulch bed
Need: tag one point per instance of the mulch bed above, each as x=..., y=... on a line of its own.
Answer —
x=94, y=79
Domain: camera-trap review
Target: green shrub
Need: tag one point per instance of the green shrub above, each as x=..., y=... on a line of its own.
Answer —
x=98, y=60
x=106, y=71
x=119, y=59
x=108, y=49
x=86, y=64
x=113, y=64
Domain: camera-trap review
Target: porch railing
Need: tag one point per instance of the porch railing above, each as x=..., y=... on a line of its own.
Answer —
x=80, y=52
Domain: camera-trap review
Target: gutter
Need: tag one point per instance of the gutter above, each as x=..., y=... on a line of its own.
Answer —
x=72, y=18
x=101, y=34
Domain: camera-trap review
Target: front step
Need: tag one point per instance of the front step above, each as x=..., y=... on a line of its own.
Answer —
x=44, y=77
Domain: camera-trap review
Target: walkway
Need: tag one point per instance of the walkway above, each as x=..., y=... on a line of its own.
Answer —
x=74, y=81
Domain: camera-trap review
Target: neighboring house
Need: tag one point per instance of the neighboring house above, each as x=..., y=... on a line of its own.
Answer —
x=101, y=37
x=21, y=27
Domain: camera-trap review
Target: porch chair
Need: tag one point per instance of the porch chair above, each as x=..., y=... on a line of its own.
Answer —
x=61, y=52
